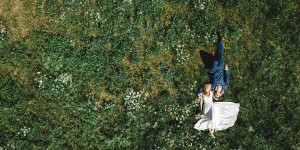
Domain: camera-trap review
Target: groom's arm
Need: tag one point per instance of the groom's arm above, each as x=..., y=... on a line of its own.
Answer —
x=226, y=79
x=201, y=102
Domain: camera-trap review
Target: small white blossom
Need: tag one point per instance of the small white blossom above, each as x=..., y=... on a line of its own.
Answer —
x=64, y=78
x=251, y=129
x=128, y=1
x=25, y=130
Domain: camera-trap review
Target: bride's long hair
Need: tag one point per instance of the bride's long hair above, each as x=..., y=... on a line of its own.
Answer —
x=207, y=88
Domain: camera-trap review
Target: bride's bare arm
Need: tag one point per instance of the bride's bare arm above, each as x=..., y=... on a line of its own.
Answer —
x=200, y=101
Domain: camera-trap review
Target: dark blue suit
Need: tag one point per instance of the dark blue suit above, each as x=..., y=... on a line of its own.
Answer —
x=216, y=72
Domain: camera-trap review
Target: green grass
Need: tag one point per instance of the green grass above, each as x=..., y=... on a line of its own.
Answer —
x=123, y=74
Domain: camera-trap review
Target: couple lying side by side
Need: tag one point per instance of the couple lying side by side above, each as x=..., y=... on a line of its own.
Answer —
x=217, y=115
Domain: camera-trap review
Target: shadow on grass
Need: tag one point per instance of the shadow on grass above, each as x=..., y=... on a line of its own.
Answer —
x=206, y=58
x=197, y=110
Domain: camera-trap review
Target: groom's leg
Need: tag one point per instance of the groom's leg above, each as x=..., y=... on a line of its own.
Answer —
x=217, y=65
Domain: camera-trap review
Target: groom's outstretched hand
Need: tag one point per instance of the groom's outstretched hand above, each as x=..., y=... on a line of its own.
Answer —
x=226, y=67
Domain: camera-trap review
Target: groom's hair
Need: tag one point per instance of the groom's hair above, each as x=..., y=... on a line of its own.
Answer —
x=216, y=98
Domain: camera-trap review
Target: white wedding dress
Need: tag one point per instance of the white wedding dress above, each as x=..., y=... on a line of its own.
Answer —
x=217, y=115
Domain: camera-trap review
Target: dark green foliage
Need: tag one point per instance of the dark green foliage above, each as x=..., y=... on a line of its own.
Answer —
x=123, y=74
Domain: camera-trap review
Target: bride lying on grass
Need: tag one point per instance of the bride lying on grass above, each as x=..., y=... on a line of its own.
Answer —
x=217, y=115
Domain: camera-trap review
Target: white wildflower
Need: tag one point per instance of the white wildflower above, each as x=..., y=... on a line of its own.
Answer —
x=202, y=6
x=251, y=129
x=128, y=1
x=25, y=130
x=64, y=78
x=2, y=30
